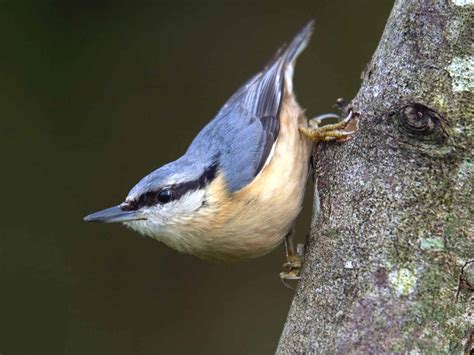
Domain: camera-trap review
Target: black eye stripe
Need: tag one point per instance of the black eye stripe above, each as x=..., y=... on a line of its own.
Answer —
x=176, y=191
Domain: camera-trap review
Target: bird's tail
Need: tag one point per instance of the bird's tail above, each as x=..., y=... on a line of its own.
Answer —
x=299, y=42
x=261, y=96
x=293, y=50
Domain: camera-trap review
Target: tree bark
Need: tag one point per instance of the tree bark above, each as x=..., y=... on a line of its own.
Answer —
x=389, y=263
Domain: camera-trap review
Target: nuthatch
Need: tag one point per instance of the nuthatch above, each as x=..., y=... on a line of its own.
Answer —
x=239, y=187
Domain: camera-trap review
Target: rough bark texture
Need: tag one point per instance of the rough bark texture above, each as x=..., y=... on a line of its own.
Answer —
x=389, y=264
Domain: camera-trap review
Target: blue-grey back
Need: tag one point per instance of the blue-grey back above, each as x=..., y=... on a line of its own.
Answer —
x=241, y=136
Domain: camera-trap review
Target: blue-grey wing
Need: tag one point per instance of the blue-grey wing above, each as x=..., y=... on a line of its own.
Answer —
x=243, y=146
x=240, y=138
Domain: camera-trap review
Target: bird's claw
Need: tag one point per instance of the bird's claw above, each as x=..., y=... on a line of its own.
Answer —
x=293, y=267
x=340, y=131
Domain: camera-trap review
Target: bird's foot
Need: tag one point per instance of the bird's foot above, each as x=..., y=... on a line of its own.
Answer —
x=292, y=267
x=340, y=131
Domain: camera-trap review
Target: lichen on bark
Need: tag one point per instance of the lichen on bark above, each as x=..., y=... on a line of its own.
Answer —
x=382, y=270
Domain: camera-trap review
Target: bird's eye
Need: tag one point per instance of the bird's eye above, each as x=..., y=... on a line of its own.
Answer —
x=164, y=196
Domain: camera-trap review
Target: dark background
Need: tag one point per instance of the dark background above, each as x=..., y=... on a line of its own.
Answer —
x=95, y=96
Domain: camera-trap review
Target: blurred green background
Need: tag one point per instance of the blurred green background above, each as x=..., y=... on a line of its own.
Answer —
x=95, y=95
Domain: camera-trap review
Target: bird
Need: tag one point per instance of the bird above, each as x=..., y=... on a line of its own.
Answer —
x=237, y=190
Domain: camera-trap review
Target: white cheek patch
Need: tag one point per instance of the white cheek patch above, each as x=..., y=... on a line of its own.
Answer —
x=162, y=220
x=189, y=203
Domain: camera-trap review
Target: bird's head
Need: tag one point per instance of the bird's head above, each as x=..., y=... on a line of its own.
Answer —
x=163, y=201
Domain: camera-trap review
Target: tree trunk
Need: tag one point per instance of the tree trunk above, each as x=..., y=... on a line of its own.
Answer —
x=389, y=264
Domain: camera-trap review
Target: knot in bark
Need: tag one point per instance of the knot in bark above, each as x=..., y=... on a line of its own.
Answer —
x=422, y=122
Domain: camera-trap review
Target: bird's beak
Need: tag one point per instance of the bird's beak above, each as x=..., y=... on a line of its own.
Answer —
x=114, y=214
